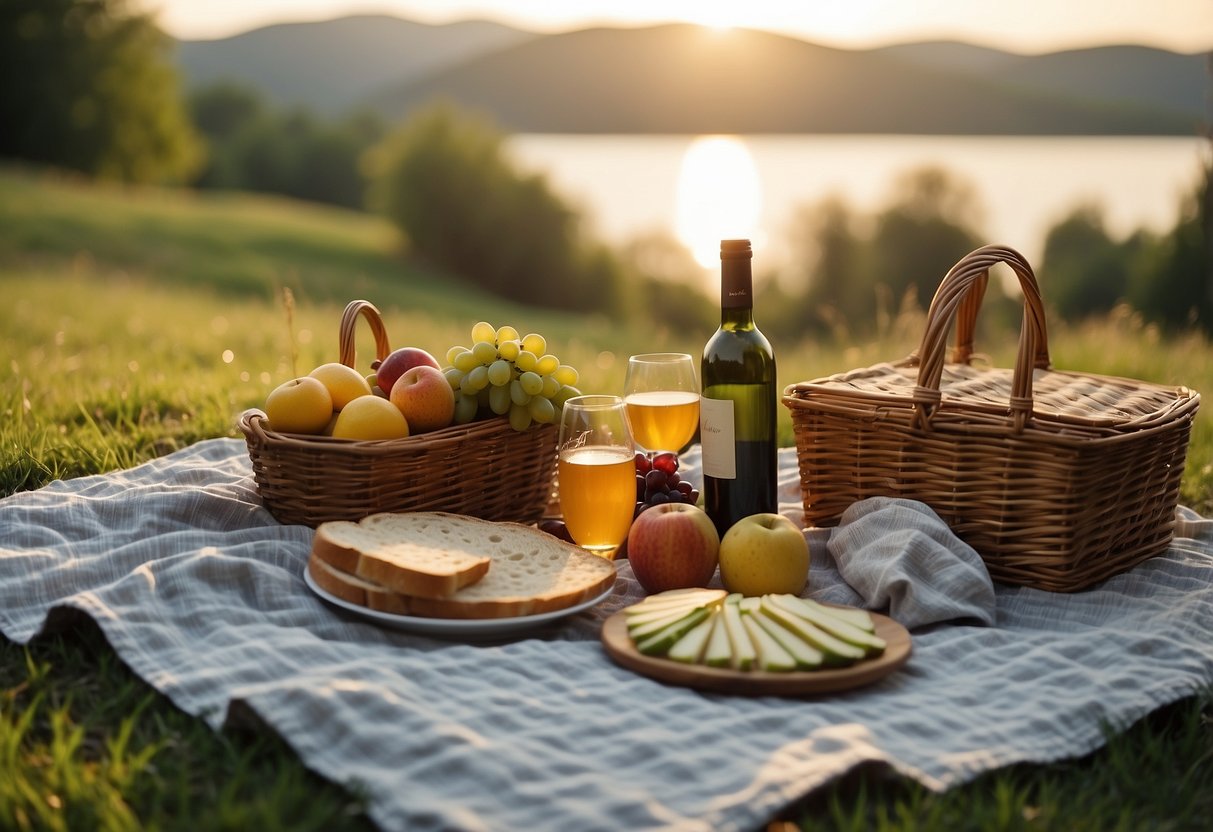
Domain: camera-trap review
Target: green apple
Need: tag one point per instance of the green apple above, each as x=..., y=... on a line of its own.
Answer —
x=762, y=554
x=834, y=650
x=690, y=648
x=660, y=642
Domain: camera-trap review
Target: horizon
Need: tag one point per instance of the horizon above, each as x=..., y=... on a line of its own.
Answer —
x=1184, y=26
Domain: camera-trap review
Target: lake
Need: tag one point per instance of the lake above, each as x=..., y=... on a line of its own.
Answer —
x=700, y=189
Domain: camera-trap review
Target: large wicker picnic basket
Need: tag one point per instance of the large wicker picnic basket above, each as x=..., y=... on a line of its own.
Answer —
x=485, y=468
x=1058, y=479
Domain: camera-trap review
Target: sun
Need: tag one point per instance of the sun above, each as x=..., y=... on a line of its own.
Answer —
x=719, y=196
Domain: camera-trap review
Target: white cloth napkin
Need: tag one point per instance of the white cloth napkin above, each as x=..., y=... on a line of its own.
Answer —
x=901, y=558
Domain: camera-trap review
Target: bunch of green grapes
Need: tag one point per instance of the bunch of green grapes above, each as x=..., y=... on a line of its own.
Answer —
x=504, y=374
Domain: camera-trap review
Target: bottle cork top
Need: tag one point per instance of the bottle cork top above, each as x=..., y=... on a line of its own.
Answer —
x=735, y=250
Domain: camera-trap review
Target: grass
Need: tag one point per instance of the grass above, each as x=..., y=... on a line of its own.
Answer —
x=136, y=322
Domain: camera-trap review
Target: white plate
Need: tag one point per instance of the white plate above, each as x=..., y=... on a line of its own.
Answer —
x=474, y=628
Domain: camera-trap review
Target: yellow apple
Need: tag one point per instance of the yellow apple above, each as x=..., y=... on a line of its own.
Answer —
x=763, y=554
x=301, y=405
x=425, y=397
x=370, y=417
x=344, y=383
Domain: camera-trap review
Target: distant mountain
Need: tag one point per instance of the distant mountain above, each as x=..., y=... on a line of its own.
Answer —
x=333, y=66
x=682, y=78
x=1136, y=75
x=687, y=79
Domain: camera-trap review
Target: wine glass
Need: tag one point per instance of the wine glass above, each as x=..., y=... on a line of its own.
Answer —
x=597, y=471
x=662, y=397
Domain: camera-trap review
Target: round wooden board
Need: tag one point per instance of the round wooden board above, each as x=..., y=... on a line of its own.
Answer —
x=620, y=648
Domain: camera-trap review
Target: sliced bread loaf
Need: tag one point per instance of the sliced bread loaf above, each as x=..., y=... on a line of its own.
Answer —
x=355, y=590
x=531, y=572
x=410, y=554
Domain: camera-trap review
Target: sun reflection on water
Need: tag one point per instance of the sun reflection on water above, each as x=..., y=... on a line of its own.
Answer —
x=719, y=196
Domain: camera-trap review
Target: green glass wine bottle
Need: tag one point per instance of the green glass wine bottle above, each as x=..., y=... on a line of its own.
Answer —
x=737, y=409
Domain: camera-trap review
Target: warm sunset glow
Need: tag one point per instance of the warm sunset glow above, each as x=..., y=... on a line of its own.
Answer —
x=719, y=196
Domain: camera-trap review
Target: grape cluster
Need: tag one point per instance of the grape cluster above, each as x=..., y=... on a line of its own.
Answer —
x=658, y=482
x=504, y=374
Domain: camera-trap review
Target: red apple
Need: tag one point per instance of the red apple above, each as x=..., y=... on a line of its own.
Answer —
x=672, y=546
x=425, y=398
x=399, y=362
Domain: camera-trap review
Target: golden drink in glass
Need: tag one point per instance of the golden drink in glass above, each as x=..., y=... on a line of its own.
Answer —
x=663, y=419
x=662, y=396
x=598, y=495
x=597, y=472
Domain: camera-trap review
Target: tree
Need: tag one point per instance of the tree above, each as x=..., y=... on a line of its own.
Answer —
x=929, y=225
x=1085, y=272
x=86, y=85
x=1175, y=286
x=446, y=181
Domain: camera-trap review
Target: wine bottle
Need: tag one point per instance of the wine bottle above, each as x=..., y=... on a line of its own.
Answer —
x=737, y=408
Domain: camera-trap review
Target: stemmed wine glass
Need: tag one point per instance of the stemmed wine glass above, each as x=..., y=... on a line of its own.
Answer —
x=662, y=397
x=597, y=471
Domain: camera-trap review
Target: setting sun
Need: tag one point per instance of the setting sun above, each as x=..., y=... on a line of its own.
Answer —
x=719, y=196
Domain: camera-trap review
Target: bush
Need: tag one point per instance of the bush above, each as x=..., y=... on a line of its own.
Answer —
x=446, y=182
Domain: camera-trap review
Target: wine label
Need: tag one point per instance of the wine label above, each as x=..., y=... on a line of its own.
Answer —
x=717, y=437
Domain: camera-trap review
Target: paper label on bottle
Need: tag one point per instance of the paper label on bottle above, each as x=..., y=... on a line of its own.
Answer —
x=717, y=438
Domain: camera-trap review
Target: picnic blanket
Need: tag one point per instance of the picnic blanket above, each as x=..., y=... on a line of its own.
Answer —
x=201, y=592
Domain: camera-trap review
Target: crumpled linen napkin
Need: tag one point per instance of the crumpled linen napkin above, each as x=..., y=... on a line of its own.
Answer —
x=900, y=554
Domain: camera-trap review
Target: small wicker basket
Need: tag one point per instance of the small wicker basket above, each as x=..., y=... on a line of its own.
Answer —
x=1058, y=479
x=484, y=469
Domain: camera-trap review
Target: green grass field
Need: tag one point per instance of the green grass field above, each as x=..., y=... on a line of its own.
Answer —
x=134, y=322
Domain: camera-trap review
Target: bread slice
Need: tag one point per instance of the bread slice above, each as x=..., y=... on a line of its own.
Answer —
x=410, y=554
x=353, y=589
x=532, y=572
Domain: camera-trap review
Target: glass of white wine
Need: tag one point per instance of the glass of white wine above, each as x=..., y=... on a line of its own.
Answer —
x=597, y=472
x=662, y=397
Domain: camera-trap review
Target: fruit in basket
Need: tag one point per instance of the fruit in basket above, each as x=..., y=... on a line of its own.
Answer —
x=344, y=383
x=764, y=553
x=671, y=546
x=504, y=375
x=370, y=417
x=425, y=398
x=398, y=362
x=301, y=405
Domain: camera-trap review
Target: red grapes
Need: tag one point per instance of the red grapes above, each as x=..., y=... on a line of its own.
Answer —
x=658, y=482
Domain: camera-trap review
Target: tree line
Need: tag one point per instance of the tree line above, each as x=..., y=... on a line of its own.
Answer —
x=89, y=85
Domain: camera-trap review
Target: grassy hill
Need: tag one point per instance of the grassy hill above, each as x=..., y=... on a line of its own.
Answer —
x=136, y=320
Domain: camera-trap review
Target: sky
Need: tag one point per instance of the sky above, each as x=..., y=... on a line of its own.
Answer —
x=1020, y=25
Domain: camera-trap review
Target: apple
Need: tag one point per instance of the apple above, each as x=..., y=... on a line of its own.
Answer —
x=762, y=554
x=672, y=546
x=425, y=398
x=301, y=405
x=400, y=361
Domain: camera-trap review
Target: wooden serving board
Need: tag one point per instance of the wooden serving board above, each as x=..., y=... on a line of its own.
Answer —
x=619, y=647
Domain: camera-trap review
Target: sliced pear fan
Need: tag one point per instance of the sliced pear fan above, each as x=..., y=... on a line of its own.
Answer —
x=774, y=633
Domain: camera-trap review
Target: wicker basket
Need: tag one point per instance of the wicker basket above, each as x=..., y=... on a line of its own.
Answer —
x=484, y=469
x=1058, y=479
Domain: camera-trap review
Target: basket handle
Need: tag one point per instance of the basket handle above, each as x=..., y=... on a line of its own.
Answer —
x=959, y=296
x=349, y=324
